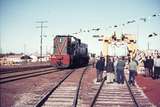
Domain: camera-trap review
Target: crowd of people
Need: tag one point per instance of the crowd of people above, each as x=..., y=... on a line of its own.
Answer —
x=115, y=67
x=152, y=66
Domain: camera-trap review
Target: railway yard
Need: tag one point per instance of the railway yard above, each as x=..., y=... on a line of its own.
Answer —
x=84, y=53
x=51, y=87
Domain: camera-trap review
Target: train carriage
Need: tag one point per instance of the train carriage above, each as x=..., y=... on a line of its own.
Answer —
x=69, y=52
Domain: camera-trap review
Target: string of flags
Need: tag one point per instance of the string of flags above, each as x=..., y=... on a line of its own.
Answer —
x=153, y=34
x=144, y=19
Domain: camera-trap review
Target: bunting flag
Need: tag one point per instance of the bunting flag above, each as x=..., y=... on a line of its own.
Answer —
x=131, y=21
x=150, y=35
x=96, y=36
x=115, y=26
x=102, y=36
x=75, y=33
x=97, y=29
x=153, y=34
x=100, y=39
x=144, y=19
x=154, y=15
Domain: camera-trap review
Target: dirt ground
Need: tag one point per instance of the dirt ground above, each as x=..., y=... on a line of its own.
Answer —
x=18, y=93
x=150, y=87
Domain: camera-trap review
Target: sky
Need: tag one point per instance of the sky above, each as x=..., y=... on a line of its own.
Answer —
x=19, y=32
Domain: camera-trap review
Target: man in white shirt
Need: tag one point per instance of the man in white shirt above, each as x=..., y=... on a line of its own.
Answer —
x=157, y=67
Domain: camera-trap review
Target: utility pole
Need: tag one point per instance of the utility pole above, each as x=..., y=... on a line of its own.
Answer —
x=41, y=40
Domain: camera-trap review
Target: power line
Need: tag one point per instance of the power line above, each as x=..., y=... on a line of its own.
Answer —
x=41, y=40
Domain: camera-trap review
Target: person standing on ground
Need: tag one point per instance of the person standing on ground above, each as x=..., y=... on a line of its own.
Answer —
x=93, y=61
x=110, y=70
x=115, y=67
x=100, y=68
x=120, y=70
x=145, y=62
x=132, y=71
x=157, y=67
x=150, y=66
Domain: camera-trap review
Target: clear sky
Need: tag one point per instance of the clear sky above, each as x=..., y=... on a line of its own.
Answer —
x=18, y=32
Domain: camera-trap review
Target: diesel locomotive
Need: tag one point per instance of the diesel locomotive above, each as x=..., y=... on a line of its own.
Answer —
x=69, y=52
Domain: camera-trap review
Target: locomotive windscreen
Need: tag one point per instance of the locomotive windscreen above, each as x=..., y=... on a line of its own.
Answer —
x=60, y=45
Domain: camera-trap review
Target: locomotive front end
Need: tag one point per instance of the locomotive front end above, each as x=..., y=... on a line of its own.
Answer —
x=60, y=58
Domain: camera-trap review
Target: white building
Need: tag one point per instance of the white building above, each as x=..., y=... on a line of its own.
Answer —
x=11, y=59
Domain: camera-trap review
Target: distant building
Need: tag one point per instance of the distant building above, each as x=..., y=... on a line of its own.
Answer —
x=34, y=58
x=11, y=59
x=21, y=59
x=44, y=58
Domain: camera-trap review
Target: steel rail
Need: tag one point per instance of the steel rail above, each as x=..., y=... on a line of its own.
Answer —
x=25, y=73
x=24, y=77
x=18, y=69
x=98, y=91
x=75, y=101
x=131, y=93
x=46, y=96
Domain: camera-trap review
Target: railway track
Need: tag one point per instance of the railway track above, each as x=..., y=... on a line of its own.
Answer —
x=118, y=95
x=65, y=93
x=9, y=77
x=6, y=70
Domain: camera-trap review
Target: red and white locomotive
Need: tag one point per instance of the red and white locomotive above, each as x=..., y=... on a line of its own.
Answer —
x=69, y=52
